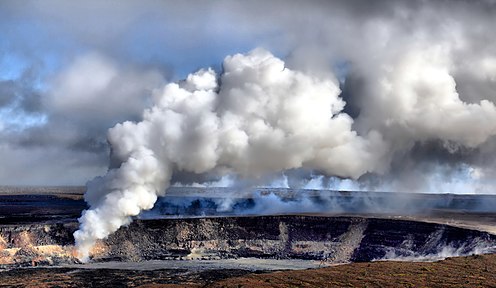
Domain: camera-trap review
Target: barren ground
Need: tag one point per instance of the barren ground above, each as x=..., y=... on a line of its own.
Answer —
x=471, y=271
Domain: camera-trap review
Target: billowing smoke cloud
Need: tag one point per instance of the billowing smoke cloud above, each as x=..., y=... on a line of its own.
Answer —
x=258, y=117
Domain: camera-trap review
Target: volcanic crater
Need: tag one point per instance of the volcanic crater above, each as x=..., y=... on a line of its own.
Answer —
x=39, y=233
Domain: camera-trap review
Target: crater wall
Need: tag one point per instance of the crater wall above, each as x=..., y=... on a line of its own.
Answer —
x=329, y=239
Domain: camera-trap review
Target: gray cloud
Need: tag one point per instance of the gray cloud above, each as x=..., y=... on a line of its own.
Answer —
x=31, y=165
x=134, y=46
x=80, y=103
x=94, y=92
x=7, y=92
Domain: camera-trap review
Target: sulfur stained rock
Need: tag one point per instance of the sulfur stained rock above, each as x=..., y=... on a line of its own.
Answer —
x=3, y=243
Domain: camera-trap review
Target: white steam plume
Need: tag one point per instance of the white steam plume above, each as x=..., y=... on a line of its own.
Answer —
x=263, y=118
x=260, y=117
x=414, y=98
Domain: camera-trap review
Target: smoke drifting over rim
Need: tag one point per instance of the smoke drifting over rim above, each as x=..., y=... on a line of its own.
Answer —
x=256, y=118
x=262, y=118
x=388, y=95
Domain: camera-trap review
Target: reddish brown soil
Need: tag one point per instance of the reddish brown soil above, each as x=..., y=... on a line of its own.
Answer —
x=472, y=271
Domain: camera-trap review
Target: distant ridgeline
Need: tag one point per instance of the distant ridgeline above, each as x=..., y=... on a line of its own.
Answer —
x=211, y=201
x=42, y=189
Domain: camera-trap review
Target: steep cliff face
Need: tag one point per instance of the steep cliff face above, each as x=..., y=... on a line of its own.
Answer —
x=33, y=244
x=269, y=236
x=406, y=240
x=333, y=239
x=330, y=239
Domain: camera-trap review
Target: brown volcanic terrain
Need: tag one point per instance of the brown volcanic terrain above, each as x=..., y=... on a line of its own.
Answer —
x=471, y=271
